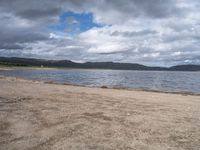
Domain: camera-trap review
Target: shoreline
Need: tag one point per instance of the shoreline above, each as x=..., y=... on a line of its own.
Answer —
x=49, y=68
x=105, y=86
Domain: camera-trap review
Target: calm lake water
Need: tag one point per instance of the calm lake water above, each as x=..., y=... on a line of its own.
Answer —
x=149, y=80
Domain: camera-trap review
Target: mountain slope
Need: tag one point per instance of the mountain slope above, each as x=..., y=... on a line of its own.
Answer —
x=15, y=61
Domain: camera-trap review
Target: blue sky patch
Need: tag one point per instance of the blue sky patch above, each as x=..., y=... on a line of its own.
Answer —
x=74, y=23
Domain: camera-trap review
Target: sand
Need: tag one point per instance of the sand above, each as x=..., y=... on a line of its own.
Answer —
x=37, y=115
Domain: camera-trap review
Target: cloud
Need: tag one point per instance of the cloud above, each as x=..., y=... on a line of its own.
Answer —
x=152, y=32
x=16, y=31
x=8, y=46
x=132, y=33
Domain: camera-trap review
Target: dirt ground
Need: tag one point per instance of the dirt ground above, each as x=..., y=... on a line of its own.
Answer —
x=36, y=115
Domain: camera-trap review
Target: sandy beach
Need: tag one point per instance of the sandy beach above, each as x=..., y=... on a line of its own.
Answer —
x=37, y=115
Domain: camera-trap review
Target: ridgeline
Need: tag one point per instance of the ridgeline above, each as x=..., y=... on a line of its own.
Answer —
x=31, y=62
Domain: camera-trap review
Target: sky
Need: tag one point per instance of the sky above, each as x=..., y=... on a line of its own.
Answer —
x=150, y=32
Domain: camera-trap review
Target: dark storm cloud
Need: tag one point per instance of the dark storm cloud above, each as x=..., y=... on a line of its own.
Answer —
x=37, y=14
x=31, y=9
x=12, y=46
x=151, y=8
x=157, y=8
x=49, y=8
x=14, y=38
x=21, y=36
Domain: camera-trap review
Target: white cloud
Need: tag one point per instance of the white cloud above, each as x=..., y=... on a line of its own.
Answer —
x=176, y=53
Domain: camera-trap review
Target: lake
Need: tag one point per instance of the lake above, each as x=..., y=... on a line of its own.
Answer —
x=148, y=80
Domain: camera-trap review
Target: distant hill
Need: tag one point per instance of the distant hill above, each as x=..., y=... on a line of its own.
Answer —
x=15, y=61
x=185, y=68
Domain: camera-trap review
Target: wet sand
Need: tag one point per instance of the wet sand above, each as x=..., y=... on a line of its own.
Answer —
x=37, y=115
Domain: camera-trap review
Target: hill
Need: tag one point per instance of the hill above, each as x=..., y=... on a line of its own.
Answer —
x=15, y=61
